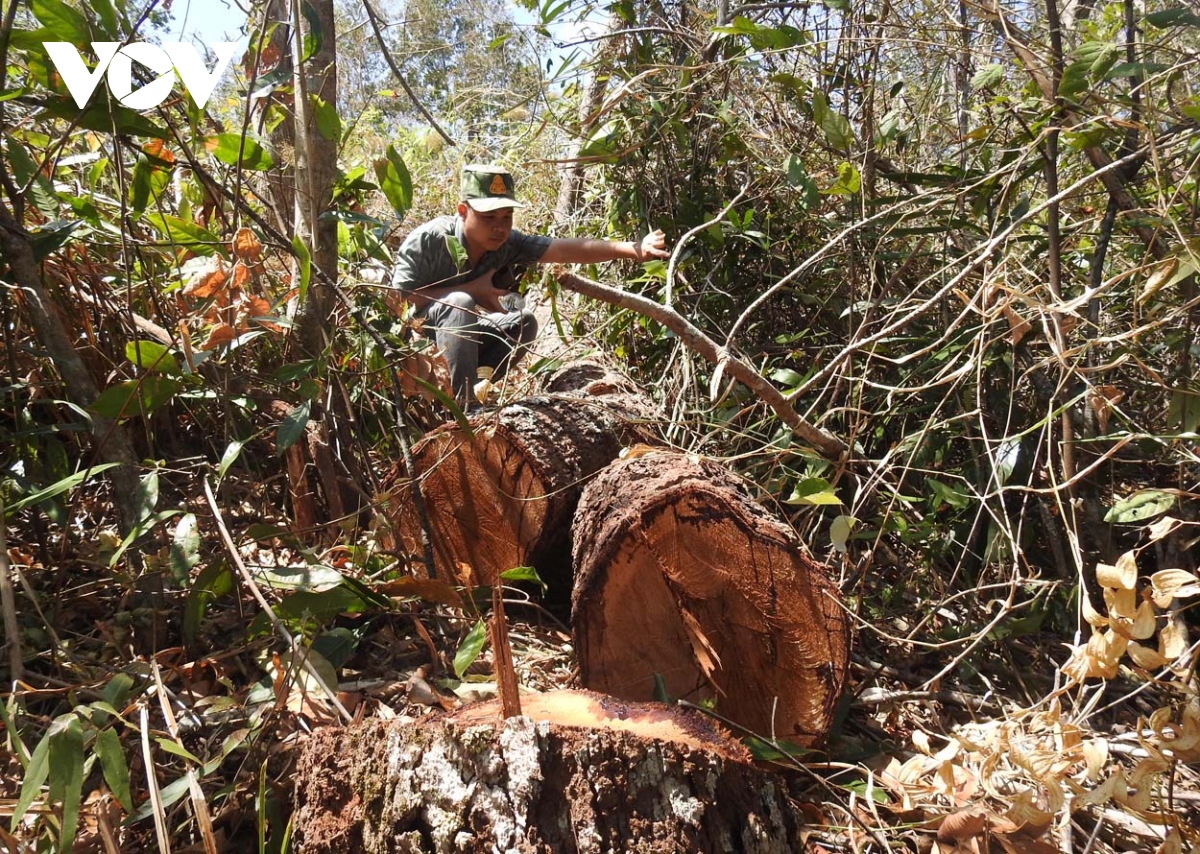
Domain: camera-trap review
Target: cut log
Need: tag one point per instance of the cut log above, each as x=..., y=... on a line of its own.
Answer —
x=578, y=773
x=681, y=574
x=504, y=495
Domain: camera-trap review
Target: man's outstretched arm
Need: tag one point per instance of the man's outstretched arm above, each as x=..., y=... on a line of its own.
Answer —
x=587, y=250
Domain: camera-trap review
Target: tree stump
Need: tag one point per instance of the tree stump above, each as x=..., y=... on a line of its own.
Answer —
x=577, y=773
x=504, y=495
x=680, y=573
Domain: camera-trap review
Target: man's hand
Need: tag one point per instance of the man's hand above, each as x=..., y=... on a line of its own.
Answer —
x=653, y=245
x=484, y=292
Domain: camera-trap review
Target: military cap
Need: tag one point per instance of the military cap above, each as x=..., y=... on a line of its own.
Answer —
x=488, y=188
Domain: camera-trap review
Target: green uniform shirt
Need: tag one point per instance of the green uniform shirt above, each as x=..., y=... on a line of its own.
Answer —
x=425, y=258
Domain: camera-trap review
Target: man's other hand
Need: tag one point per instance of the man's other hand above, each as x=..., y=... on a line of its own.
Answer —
x=653, y=245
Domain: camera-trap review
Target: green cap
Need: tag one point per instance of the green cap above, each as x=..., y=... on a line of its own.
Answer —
x=488, y=188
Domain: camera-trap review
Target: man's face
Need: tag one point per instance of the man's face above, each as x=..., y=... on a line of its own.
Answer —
x=487, y=231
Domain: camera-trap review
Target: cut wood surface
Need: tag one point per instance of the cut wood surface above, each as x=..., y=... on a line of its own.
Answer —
x=577, y=772
x=504, y=494
x=680, y=573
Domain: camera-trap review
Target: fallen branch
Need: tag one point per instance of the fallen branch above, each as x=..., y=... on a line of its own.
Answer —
x=829, y=446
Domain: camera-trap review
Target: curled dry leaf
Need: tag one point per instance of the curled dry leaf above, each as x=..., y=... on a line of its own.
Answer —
x=1159, y=528
x=1018, y=327
x=1103, y=399
x=962, y=825
x=1172, y=641
x=1095, y=757
x=245, y=246
x=208, y=281
x=1122, y=576
x=241, y=276
x=1169, y=584
x=1144, y=657
x=431, y=369
x=157, y=148
x=222, y=333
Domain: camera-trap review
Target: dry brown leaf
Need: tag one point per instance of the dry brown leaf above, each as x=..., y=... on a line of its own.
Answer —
x=1122, y=576
x=1169, y=584
x=1145, y=622
x=1144, y=657
x=246, y=246
x=429, y=589
x=1159, y=528
x=1173, y=844
x=962, y=825
x=158, y=148
x=207, y=282
x=702, y=649
x=1103, y=399
x=241, y=276
x=222, y=333
x=1095, y=757
x=1172, y=641
x=431, y=369
x=1022, y=844
x=1018, y=327
x=1162, y=275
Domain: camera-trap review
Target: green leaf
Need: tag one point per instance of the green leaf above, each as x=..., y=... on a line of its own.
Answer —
x=63, y=22
x=26, y=171
x=35, y=775
x=603, y=140
x=304, y=257
x=185, y=548
x=337, y=646
x=171, y=746
x=232, y=451
x=139, y=188
x=67, y=483
x=132, y=398
x=152, y=356
x=52, y=236
x=145, y=497
x=839, y=531
x=1179, y=16
x=523, y=573
x=99, y=118
x=325, y=117
x=833, y=124
x=141, y=528
x=170, y=796
x=469, y=649
x=786, y=377
x=292, y=428
x=849, y=181
x=66, y=774
x=988, y=76
x=116, y=771
x=1143, y=504
x=813, y=491
x=118, y=690
x=394, y=181
x=187, y=234
x=457, y=251
x=315, y=36
x=213, y=582
x=226, y=147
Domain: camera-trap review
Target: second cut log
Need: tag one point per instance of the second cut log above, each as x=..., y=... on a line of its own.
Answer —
x=681, y=574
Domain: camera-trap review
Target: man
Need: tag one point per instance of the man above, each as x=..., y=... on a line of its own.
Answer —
x=448, y=269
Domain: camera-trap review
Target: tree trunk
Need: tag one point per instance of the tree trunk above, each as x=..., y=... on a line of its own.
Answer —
x=504, y=494
x=592, y=774
x=680, y=574
x=111, y=439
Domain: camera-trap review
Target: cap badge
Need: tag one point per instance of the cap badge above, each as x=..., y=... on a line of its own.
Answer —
x=498, y=188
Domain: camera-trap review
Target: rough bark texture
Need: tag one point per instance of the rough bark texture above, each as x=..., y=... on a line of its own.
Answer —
x=680, y=573
x=477, y=784
x=505, y=496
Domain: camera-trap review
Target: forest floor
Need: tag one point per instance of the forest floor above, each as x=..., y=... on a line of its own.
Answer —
x=984, y=746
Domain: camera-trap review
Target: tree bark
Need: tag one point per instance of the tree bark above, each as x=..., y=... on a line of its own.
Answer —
x=681, y=575
x=503, y=494
x=591, y=775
